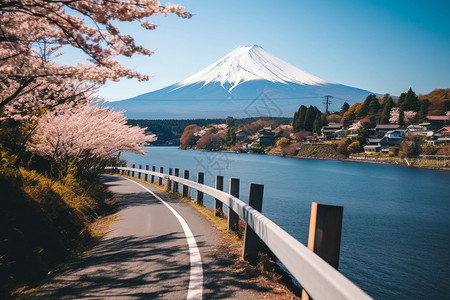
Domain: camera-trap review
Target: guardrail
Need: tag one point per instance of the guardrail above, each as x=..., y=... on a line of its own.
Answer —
x=317, y=277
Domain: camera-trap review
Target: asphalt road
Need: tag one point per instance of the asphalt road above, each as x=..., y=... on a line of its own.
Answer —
x=159, y=247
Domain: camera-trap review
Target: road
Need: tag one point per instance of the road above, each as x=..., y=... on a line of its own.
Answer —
x=159, y=247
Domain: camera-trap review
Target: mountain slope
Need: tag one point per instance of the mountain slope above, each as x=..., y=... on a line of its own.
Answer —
x=247, y=81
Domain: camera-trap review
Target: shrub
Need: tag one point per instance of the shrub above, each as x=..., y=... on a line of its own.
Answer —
x=354, y=147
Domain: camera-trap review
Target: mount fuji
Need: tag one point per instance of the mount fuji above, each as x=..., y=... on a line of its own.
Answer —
x=248, y=82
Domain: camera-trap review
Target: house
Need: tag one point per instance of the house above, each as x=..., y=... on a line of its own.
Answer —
x=398, y=133
x=387, y=142
x=437, y=122
x=329, y=131
x=384, y=128
x=416, y=130
x=373, y=142
x=444, y=133
x=372, y=148
x=266, y=137
x=340, y=134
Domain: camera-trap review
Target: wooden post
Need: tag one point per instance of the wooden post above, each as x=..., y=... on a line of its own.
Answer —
x=139, y=173
x=128, y=171
x=175, y=184
x=218, y=205
x=169, y=182
x=233, y=218
x=200, y=179
x=132, y=172
x=324, y=239
x=251, y=239
x=152, y=177
x=161, y=170
x=146, y=175
x=185, y=187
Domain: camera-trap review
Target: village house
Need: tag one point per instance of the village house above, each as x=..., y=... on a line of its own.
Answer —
x=328, y=132
x=266, y=137
x=384, y=128
x=444, y=133
x=436, y=122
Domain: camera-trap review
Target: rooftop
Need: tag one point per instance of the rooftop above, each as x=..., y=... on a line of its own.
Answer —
x=438, y=118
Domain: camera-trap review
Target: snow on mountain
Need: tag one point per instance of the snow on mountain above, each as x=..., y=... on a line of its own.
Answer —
x=251, y=63
x=249, y=81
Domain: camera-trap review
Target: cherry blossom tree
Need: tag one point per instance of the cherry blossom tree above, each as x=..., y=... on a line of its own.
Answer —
x=32, y=33
x=85, y=136
x=395, y=115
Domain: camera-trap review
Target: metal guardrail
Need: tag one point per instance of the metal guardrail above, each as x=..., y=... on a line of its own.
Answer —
x=317, y=277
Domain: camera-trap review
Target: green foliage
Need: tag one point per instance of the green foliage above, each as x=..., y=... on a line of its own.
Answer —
x=231, y=136
x=230, y=122
x=363, y=134
x=299, y=119
x=387, y=105
x=344, y=108
x=410, y=101
x=370, y=106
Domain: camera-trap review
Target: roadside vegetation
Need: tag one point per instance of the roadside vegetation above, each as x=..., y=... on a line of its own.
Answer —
x=55, y=138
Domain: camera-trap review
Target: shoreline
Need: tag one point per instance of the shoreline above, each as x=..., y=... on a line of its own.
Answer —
x=348, y=159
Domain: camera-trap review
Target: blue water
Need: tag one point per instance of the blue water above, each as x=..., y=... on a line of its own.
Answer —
x=396, y=227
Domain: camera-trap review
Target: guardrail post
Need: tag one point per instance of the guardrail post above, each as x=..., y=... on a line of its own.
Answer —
x=128, y=172
x=146, y=175
x=218, y=205
x=325, y=228
x=152, y=177
x=233, y=218
x=200, y=179
x=169, y=182
x=139, y=173
x=161, y=170
x=185, y=187
x=132, y=172
x=251, y=239
x=175, y=184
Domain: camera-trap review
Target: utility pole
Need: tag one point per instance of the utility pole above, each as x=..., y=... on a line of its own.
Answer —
x=327, y=102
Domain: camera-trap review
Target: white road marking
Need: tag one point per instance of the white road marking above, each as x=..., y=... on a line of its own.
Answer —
x=196, y=277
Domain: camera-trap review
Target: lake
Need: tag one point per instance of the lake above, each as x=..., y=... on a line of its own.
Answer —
x=396, y=225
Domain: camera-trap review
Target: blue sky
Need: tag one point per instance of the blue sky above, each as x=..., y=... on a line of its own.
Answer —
x=382, y=46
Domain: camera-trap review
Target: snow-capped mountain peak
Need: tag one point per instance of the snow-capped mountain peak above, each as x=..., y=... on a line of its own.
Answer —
x=250, y=63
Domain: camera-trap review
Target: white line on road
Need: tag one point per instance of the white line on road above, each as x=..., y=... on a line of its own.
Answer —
x=196, y=278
